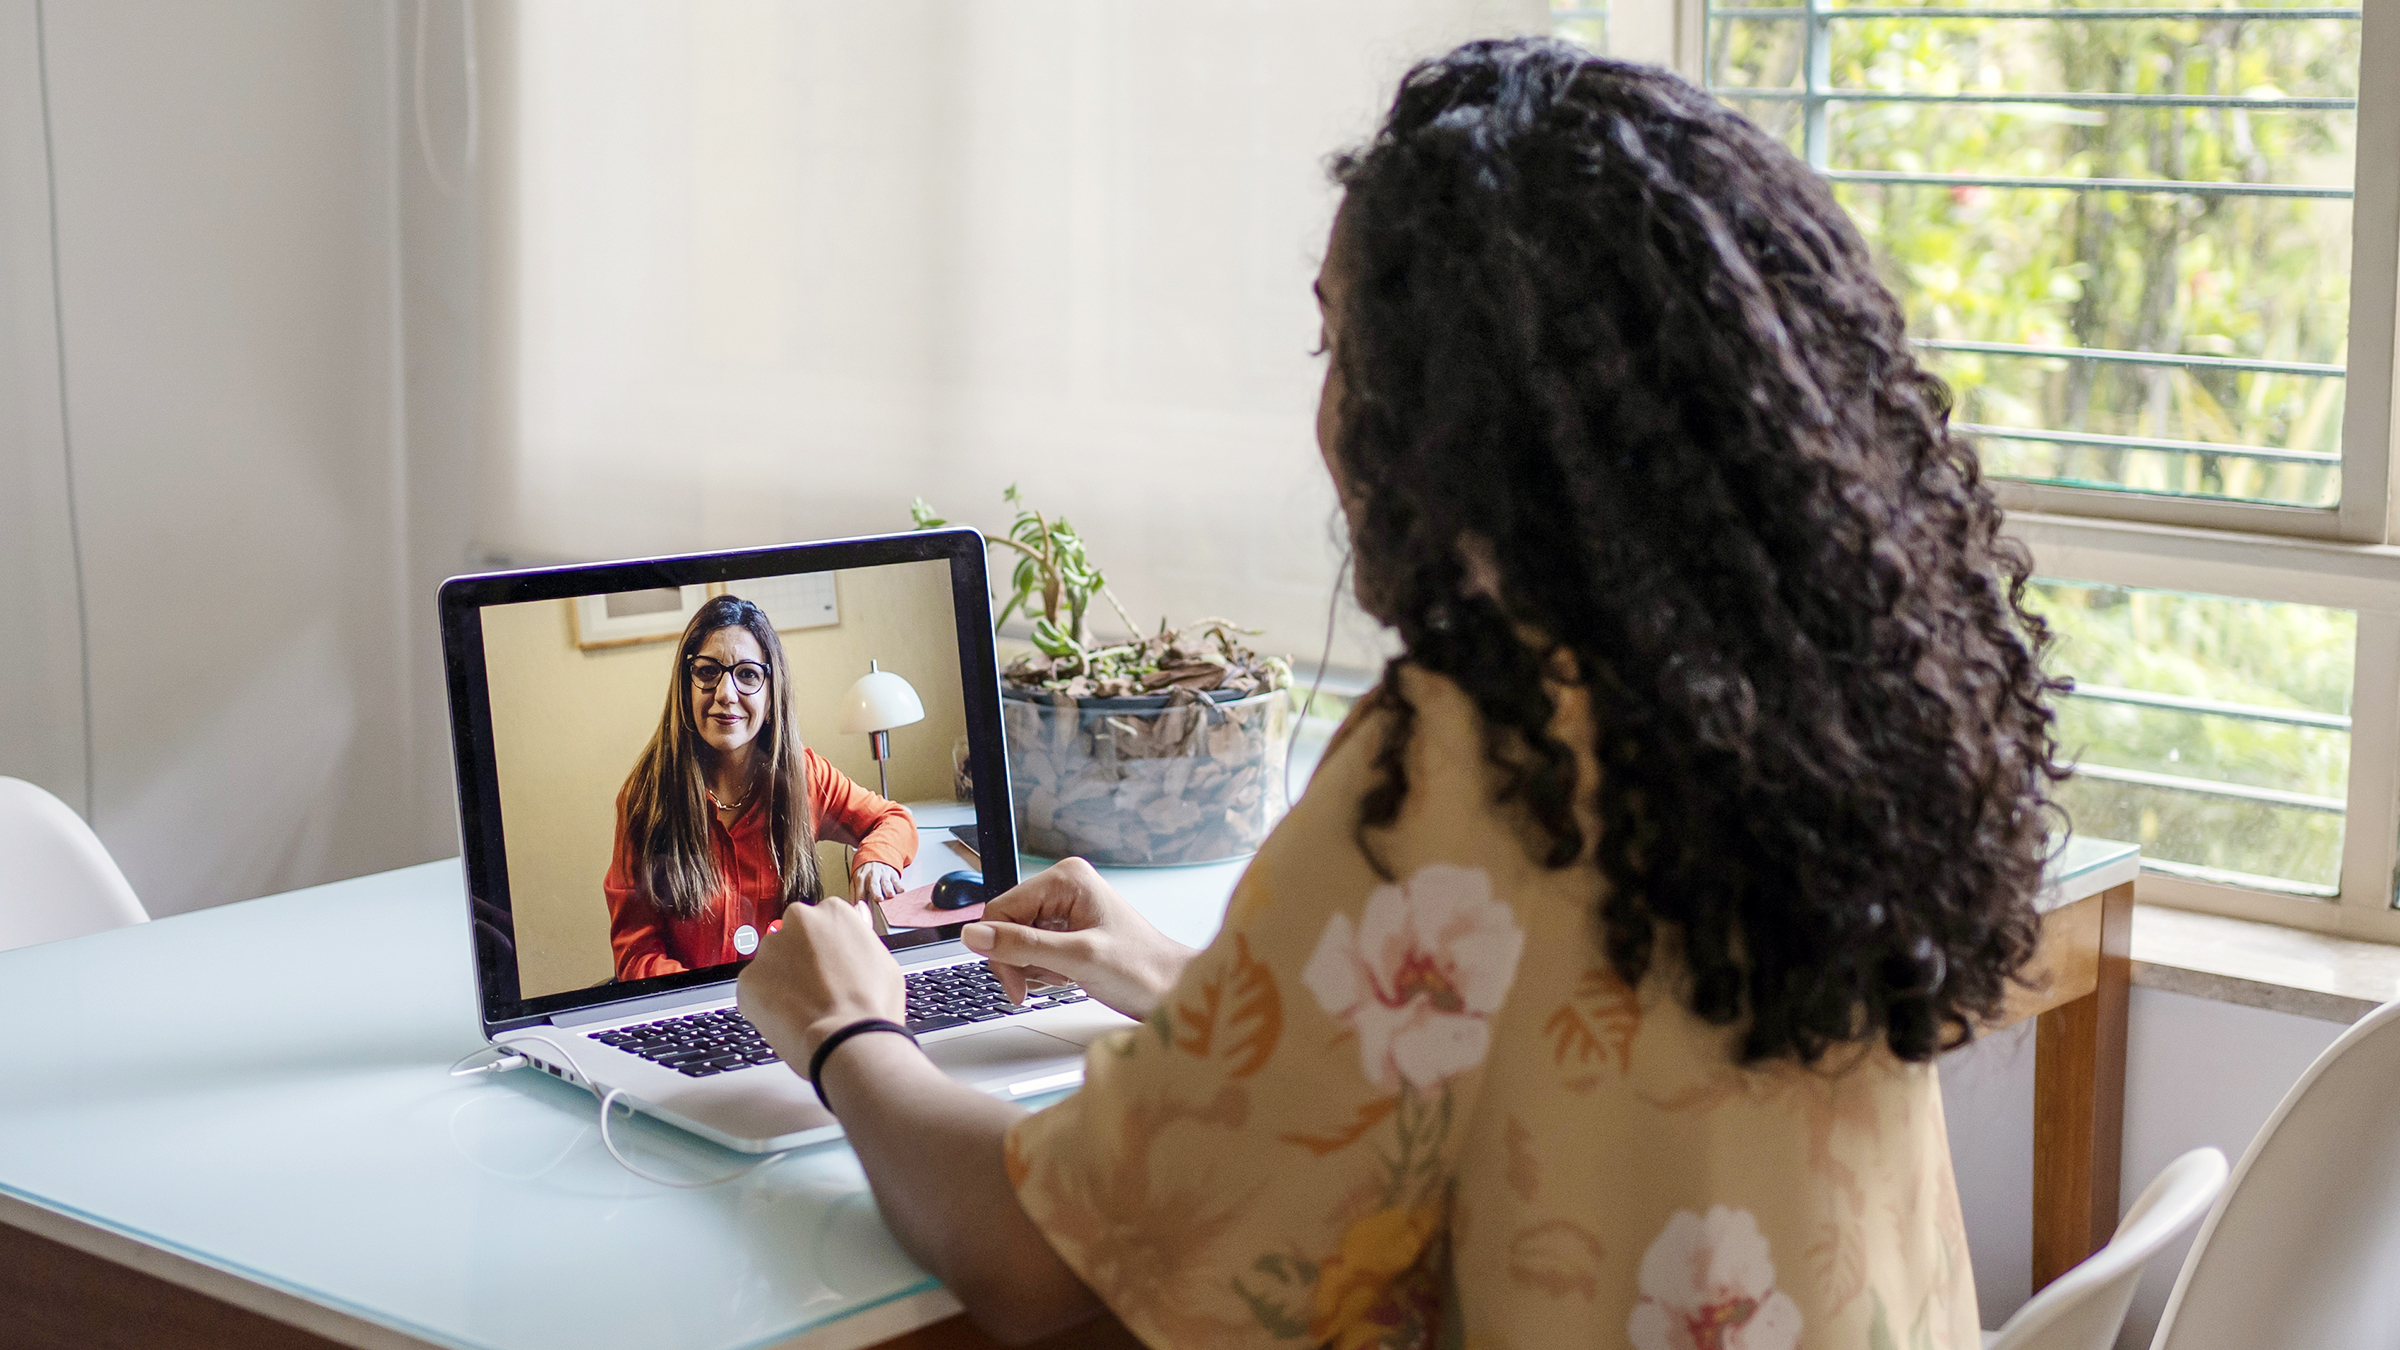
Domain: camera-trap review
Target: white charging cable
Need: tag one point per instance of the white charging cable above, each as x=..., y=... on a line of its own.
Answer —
x=500, y=1065
x=608, y=1102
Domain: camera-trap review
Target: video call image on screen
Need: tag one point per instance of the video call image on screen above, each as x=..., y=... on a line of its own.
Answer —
x=608, y=743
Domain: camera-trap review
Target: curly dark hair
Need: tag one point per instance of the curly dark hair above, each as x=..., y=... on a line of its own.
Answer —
x=1606, y=333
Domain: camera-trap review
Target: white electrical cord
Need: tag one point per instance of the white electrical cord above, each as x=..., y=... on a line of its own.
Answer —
x=1333, y=607
x=474, y=101
x=608, y=1102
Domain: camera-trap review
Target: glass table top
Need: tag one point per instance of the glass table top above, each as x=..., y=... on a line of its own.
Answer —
x=262, y=1088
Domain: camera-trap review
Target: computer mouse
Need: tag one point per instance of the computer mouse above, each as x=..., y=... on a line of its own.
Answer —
x=957, y=890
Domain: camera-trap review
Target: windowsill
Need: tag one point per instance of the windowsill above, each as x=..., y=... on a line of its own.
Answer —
x=2262, y=965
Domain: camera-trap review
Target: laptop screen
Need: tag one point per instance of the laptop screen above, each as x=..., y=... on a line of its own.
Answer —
x=655, y=758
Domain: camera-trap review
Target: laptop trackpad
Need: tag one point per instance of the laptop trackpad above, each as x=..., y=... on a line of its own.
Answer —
x=1004, y=1055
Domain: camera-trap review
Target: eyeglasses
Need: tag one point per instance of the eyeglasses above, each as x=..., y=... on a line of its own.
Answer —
x=748, y=676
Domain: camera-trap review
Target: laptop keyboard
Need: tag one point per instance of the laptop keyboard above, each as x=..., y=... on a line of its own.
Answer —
x=949, y=996
x=721, y=1040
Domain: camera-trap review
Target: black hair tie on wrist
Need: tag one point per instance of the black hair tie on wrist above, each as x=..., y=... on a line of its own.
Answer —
x=826, y=1047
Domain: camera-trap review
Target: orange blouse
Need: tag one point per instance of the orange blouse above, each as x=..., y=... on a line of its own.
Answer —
x=750, y=892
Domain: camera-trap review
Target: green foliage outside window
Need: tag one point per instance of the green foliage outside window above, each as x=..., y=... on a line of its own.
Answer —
x=2227, y=276
x=2208, y=647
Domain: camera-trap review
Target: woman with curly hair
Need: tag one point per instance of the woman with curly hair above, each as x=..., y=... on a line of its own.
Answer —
x=1589, y=996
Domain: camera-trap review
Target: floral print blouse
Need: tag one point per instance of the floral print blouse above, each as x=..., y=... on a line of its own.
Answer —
x=1425, y=1111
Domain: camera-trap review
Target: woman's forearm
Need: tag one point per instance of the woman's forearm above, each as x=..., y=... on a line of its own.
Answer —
x=934, y=1150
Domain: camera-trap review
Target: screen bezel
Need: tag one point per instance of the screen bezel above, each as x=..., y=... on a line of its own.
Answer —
x=482, y=841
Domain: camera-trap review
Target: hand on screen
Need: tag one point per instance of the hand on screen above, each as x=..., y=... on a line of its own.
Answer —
x=818, y=970
x=1069, y=925
x=875, y=881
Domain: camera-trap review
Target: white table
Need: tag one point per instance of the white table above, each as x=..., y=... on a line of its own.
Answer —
x=251, y=1102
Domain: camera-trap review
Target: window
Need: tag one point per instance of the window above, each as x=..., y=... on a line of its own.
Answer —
x=2122, y=234
x=2136, y=242
x=1581, y=21
x=2213, y=732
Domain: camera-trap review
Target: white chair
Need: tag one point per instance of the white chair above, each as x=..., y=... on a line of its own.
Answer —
x=2085, y=1308
x=2304, y=1251
x=56, y=879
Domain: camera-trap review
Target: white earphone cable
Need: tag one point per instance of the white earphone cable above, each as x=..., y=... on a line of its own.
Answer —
x=1333, y=607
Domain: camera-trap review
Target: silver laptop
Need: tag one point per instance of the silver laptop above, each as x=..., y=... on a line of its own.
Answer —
x=565, y=686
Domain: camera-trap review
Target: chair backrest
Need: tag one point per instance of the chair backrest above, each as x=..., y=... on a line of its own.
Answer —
x=56, y=879
x=2085, y=1308
x=2304, y=1250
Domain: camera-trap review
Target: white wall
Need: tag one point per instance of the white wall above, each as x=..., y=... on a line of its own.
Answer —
x=2198, y=1074
x=228, y=324
x=874, y=251
x=772, y=269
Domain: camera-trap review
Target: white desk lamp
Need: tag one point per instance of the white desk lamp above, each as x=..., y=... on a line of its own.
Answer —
x=879, y=702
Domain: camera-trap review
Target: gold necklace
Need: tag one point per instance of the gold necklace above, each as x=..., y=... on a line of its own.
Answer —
x=728, y=806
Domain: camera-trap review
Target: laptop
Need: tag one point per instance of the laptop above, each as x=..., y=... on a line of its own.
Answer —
x=560, y=681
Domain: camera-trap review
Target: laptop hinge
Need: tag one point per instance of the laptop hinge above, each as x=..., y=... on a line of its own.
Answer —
x=609, y=1012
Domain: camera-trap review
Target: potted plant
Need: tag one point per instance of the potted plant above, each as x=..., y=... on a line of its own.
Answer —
x=1146, y=752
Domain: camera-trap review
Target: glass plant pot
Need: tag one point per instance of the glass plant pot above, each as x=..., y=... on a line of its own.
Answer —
x=1146, y=782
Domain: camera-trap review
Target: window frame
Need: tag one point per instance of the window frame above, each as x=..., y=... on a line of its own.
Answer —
x=2340, y=556
x=2365, y=511
x=2363, y=579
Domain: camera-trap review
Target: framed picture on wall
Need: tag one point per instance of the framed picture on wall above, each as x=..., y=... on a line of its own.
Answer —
x=622, y=618
x=802, y=600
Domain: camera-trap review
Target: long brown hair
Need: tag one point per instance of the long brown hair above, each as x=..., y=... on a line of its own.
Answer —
x=666, y=795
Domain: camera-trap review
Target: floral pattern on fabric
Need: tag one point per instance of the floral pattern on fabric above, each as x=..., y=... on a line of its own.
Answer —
x=1407, y=1102
x=1594, y=1029
x=1420, y=975
x=1708, y=1283
x=1414, y=982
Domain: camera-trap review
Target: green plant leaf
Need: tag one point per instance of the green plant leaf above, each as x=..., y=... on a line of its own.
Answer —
x=1053, y=640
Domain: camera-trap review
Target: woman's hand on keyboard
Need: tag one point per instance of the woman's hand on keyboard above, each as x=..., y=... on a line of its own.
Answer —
x=819, y=970
x=1068, y=925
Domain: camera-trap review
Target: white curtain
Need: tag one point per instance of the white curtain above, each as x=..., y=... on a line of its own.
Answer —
x=764, y=271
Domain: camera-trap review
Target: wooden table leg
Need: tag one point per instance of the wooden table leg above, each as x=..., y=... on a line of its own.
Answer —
x=2079, y=1105
x=1104, y=1332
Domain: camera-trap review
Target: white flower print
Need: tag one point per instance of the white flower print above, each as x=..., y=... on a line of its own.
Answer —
x=1420, y=975
x=1709, y=1284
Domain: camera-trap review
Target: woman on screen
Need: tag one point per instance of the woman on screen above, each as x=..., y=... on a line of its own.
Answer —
x=718, y=823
